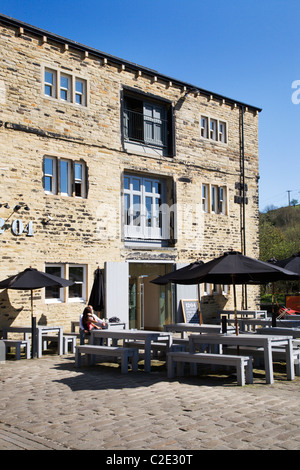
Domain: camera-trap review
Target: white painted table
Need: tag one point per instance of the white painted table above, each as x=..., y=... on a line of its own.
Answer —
x=40, y=331
x=137, y=335
x=252, y=340
x=183, y=328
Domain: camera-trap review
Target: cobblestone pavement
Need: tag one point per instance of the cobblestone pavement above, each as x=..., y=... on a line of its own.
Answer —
x=49, y=404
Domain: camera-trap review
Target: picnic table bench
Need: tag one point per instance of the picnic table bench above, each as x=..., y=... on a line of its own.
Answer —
x=18, y=344
x=243, y=364
x=115, y=351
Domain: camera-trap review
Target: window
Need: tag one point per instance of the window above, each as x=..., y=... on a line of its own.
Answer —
x=80, y=92
x=65, y=87
x=50, y=82
x=144, y=199
x=147, y=123
x=205, y=197
x=77, y=291
x=73, y=272
x=213, y=129
x=71, y=180
x=222, y=132
x=50, y=175
x=204, y=127
x=214, y=199
x=54, y=294
x=215, y=289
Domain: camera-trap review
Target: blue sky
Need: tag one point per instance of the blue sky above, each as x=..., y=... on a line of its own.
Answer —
x=245, y=50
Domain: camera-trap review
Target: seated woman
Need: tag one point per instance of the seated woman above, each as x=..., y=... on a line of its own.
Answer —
x=90, y=321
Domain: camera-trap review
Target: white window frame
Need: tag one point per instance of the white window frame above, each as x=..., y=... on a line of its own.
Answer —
x=73, y=96
x=51, y=85
x=80, y=95
x=205, y=197
x=214, y=199
x=62, y=274
x=65, y=179
x=223, y=132
x=82, y=283
x=52, y=176
x=204, y=127
x=65, y=89
x=138, y=228
x=214, y=129
x=80, y=181
x=69, y=178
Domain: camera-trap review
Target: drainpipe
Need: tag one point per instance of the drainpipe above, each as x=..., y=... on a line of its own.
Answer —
x=243, y=187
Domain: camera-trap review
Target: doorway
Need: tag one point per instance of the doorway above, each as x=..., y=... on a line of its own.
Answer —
x=150, y=306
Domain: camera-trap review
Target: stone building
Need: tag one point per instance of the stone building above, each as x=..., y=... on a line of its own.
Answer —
x=107, y=163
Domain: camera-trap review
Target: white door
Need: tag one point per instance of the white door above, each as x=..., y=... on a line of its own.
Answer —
x=116, y=294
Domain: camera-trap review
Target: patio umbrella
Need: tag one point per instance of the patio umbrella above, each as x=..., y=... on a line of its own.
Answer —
x=96, y=299
x=292, y=263
x=233, y=268
x=31, y=279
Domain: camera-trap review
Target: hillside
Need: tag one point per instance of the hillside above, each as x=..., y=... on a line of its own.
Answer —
x=279, y=232
x=279, y=237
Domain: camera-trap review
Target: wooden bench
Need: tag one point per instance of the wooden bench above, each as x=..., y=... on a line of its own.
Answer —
x=243, y=364
x=156, y=346
x=67, y=339
x=123, y=353
x=18, y=344
x=278, y=353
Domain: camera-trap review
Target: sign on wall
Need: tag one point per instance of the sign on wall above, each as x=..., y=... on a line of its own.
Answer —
x=17, y=227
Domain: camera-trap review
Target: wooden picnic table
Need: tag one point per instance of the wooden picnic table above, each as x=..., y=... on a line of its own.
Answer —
x=137, y=335
x=251, y=340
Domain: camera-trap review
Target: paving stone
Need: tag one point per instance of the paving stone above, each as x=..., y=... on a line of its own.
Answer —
x=47, y=404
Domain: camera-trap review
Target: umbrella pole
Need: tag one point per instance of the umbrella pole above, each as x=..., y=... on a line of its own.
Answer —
x=235, y=311
x=33, y=329
x=199, y=308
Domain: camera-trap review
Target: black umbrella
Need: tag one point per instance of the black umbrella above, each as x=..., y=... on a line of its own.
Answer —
x=31, y=279
x=292, y=263
x=96, y=299
x=232, y=268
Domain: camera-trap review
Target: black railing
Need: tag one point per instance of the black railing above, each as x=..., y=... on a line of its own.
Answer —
x=145, y=129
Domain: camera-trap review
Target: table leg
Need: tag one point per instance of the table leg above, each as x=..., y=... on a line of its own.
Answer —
x=60, y=342
x=39, y=342
x=268, y=362
x=290, y=371
x=147, y=366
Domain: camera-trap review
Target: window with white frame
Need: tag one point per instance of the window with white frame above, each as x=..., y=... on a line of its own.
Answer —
x=77, y=274
x=75, y=292
x=213, y=129
x=65, y=177
x=215, y=289
x=143, y=214
x=205, y=197
x=214, y=199
x=55, y=294
x=65, y=87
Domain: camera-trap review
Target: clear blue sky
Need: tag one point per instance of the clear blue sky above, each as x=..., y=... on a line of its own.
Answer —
x=245, y=50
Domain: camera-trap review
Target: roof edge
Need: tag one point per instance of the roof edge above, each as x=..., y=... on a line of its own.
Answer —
x=103, y=55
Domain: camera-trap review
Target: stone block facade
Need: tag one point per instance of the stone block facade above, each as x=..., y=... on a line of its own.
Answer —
x=88, y=230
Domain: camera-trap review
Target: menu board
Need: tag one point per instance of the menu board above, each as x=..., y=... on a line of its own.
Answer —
x=190, y=310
